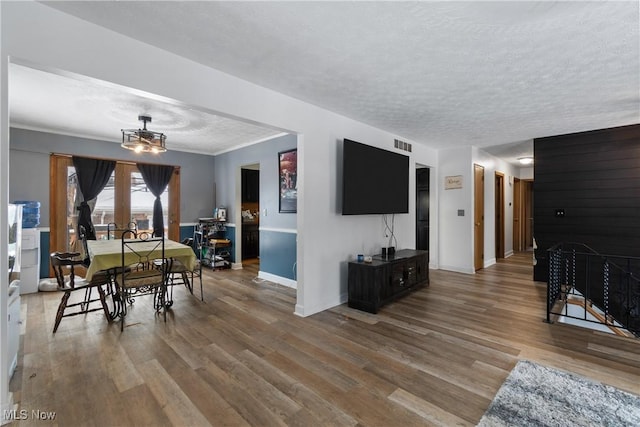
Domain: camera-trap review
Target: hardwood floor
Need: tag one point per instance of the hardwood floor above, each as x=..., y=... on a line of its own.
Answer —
x=435, y=357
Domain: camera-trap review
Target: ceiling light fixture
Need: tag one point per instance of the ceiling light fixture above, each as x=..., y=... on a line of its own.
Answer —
x=143, y=140
x=526, y=160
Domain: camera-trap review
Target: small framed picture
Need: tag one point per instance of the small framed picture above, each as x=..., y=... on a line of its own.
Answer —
x=221, y=214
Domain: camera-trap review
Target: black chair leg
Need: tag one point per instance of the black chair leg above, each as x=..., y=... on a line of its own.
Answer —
x=187, y=282
x=61, y=308
x=103, y=301
x=87, y=298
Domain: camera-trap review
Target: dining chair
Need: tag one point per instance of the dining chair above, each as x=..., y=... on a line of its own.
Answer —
x=82, y=235
x=63, y=263
x=198, y=246
x=138, y=276
x=179, y=274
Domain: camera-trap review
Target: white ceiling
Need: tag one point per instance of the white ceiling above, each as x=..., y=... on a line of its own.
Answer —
x=89, y=108
x=443, y=74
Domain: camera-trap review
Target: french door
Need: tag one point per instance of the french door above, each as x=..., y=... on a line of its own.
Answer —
x=124, y=199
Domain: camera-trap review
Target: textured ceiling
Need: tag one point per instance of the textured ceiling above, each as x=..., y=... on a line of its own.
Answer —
x=440, y=73
x=88, y=108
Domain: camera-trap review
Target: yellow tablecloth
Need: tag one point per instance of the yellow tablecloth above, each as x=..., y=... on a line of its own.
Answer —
x=106, y=254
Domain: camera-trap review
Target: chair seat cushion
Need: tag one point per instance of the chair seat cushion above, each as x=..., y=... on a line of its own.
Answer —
x=176, y=266
x=140, y=278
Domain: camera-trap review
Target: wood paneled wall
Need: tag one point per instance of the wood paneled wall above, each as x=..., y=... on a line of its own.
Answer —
x=594, y=177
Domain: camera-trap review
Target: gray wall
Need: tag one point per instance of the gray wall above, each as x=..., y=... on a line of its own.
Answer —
x=29, y=169
x=266, y=155
x=278, y=231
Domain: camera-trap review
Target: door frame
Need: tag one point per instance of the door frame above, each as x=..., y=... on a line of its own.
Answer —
x=478, y=217
x=418, y=190
x=499, y=201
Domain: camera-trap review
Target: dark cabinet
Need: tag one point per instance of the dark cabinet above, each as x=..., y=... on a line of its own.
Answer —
x=250, y=186
x=250, y=241
x=371, y=285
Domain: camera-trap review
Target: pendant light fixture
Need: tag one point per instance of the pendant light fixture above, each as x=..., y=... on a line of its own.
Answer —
x=144, y=140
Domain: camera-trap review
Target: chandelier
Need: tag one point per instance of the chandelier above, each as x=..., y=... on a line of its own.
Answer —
x=143, y=140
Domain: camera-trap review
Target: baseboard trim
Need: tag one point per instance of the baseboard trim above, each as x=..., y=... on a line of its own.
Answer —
x=458, y=269
x=236, y=266
x=289, y=283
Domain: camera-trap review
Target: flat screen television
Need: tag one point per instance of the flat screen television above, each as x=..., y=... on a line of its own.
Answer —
x=374, y=181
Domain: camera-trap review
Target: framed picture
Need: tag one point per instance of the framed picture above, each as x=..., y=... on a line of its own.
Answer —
x=221, y=214
x=288, y=170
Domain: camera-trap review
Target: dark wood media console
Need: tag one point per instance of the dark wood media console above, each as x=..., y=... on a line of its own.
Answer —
x=373, y=284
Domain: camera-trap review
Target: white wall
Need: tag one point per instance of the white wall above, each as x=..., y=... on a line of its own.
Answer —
x=456, y=232
x=526, y=173
x=492, y=165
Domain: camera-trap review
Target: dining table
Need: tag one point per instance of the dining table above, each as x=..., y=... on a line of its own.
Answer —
x=107, y=255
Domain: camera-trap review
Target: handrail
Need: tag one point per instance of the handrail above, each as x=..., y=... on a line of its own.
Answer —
x=599, y=280
x=603, y=256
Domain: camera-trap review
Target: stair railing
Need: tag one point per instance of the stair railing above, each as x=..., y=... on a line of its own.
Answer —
x=607, y=282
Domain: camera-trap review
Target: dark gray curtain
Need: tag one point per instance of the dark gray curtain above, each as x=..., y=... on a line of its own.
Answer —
x=157, y=178
x=93, y=175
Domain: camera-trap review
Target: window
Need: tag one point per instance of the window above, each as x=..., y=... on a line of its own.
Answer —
x=125, y=198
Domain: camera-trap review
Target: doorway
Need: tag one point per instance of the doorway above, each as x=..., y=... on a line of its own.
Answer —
x=499, y=192
x=422, y=208
x=478, y=217
x=250, y=213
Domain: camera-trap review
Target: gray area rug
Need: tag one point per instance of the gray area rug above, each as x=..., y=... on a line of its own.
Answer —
x=536, y=395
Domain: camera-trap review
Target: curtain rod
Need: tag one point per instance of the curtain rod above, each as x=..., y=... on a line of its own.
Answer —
x=125, y=162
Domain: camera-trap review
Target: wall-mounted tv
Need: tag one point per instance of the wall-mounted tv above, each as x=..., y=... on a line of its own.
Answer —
x=374, y=181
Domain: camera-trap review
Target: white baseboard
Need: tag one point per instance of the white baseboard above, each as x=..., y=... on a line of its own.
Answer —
x=508, y=254
x=303, y=311
x=278, y=279
x=489, y=262
x=236, y=266
x=458, y=269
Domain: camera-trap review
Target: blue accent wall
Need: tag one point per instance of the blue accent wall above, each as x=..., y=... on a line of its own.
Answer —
x=186, y=231
x=230, y=234
x=278, y=253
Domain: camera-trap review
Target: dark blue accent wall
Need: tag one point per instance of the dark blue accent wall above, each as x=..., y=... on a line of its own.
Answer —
x=278, y=253
x=230, y=234
x=186, y=232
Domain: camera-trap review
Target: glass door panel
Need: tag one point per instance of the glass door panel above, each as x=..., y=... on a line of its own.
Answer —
x=102, y=210
x=142, y=200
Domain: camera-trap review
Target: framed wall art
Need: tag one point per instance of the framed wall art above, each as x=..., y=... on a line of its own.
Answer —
x=288, y=170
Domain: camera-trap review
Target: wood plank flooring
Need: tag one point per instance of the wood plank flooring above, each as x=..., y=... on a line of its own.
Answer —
x=435, y=357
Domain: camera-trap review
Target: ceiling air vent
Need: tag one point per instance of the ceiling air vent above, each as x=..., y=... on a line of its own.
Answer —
x=405, y=146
